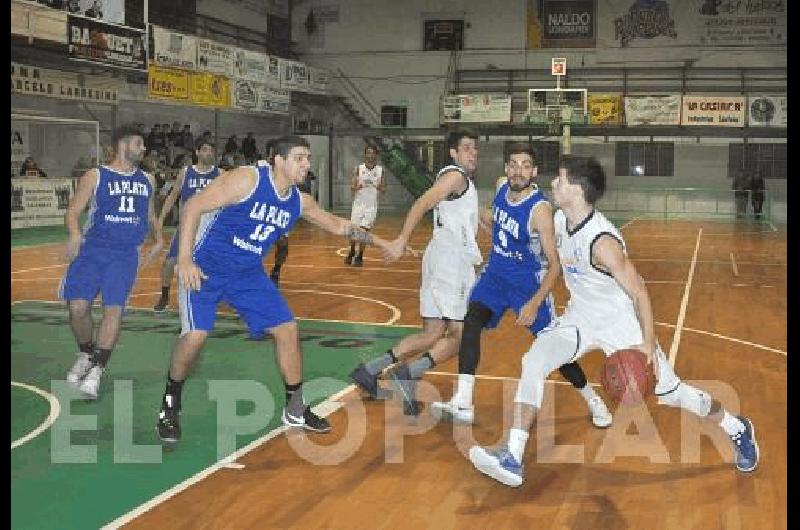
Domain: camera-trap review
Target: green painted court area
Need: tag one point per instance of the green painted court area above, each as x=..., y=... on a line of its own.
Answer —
x=57, y=479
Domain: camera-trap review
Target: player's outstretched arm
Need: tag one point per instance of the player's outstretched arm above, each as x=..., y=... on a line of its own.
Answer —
x=542, y=223
x=77, y=205
x=607, y=253
x=229, y=188
x=155, y=227
x=451, y=182
x=172, y=198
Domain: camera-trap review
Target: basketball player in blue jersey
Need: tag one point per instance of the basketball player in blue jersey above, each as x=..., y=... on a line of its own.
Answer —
x=523, y=266
x=609, y=308
x=448, y=273
x=104, y=257
x=225, y=231
x=191, y=180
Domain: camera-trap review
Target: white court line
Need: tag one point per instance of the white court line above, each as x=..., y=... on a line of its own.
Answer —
x=629, y=223
x=774, y=229
x=676, y=338
x=39, y=268
x=733, y=264
x=501, y=378
x=325, y=408
x=55, y=410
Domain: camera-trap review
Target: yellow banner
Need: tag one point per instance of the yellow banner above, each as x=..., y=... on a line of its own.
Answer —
x=168, y=83
x=211, y=90
x=605, y=109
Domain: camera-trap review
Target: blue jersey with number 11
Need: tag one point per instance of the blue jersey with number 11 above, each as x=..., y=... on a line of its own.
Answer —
x=119, y=211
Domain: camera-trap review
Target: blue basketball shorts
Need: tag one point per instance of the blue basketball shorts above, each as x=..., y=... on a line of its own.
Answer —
x=251, y=294
x=109, y=272
x=499, y=292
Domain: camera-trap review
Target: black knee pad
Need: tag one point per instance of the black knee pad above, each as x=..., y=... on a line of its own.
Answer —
x=469, y=351
x=573, y=373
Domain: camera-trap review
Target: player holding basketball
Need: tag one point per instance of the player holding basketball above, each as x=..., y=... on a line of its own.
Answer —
x=522, y=269
x=104, y=257
x=244, y=211
x=609, y=308
x=366, y=183
x=448, y=272
x=191, y=180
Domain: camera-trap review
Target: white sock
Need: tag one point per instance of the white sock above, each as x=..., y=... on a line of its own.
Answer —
x=517, y=438
x=463, y=394
x=587, y=392
x=731, y=424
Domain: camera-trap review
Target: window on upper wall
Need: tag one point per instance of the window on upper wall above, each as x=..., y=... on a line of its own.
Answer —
x=769, y=160
x=394, y=116
x=443, y=35
x=645, y=159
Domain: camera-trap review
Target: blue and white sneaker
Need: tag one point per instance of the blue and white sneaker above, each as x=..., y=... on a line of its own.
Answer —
x=500, y=465
x=746, y=447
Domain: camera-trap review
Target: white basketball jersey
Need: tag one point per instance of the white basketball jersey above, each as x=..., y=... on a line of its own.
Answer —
x=455, y=221
x=594, y=294
x=369, y=179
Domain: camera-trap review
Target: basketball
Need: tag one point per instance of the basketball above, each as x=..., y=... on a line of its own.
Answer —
x=626, y=377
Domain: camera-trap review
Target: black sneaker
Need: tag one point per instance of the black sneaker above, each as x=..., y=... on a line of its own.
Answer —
x=309, y=421
x=349, y=259
x=276, y=278
x=358, y=261
x=168, y=426
x=365, y=380
x=401, y=379
x=161, y=306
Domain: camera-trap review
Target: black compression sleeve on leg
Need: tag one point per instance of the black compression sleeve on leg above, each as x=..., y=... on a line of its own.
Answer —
x=469, y=351
x=573, y=373
x=281, y=251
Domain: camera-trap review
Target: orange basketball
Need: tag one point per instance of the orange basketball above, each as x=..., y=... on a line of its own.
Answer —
x=626, y=377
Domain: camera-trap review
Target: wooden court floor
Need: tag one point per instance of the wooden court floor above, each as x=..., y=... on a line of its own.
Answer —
x=719, y=297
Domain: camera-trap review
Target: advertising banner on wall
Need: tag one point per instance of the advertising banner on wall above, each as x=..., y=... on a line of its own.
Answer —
x=168, y=83
x=294, y=75
x=38, y=22
x=476, y=108
x=653, y=110
x=604, y=109
x=215, y=57
x=273, y=71
x=32, y=80
x=568, y=23
x=738, y=23
x=210, y=90
x=20, y=145
x=720, y=111
x=767, y=111
x=258, y=97
x=173, y=49
x=250, y=65
x=39, y=202
x=318, y=80
x=97, y=42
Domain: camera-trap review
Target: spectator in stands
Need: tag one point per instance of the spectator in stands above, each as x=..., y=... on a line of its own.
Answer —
x=176, y=135
x=232, y=145
x=740, y=183
x=757, y=188
x=31, y=169
x=155, y=140
x=249, y=147
x=188, y=137
x=96, y=11
x=73, y=6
